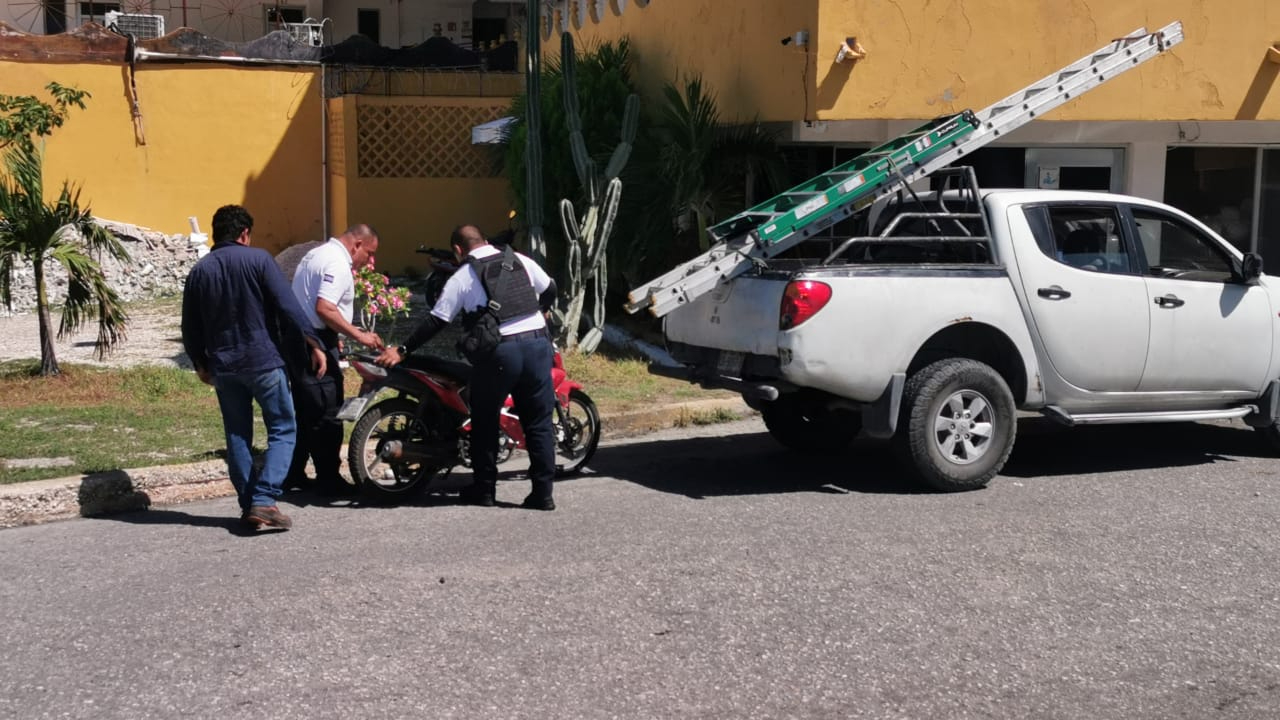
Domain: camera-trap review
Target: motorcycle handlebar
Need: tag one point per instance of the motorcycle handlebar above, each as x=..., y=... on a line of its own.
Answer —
x=436, y=253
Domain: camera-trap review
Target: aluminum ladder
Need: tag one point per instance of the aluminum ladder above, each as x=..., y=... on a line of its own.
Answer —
x=782, y=222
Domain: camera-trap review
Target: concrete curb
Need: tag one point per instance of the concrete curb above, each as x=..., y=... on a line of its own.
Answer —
x=40, y=501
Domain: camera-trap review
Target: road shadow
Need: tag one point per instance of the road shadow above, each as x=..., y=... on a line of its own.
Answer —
x=177, y=517
x=1046, y=449
x=755, y=464
x=751, y=464
x=441, y=492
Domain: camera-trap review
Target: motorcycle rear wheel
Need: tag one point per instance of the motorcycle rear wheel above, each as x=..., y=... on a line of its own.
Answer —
x=577, y=434
x=393, y=420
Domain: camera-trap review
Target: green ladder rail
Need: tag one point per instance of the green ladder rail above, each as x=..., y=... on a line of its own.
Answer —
x=781, y=222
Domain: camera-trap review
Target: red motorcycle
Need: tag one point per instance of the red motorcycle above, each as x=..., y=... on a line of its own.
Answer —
x=405, y=442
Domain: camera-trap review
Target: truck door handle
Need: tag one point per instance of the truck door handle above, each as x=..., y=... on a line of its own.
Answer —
x=1170, y=301
x=1053, y=292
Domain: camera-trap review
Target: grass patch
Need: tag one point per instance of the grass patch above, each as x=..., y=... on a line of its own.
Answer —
x=714, y=416
x=619, y=381
x=118, y=418
x=104, y=419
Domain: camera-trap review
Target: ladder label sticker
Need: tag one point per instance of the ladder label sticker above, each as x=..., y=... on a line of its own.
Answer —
x=948, y=127
x=809, y=207
x=851, y=183
x=923, y=144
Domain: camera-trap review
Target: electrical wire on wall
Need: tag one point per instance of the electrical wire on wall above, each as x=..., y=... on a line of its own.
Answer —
x=135, y=109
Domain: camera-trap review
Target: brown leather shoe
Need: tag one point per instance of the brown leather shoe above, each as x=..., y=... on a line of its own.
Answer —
x=267, y=516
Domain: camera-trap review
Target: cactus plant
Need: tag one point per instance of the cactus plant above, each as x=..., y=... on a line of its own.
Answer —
x=587, y=236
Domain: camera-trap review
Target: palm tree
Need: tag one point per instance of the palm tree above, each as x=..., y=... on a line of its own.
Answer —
x=34, y=230
x=698, y=173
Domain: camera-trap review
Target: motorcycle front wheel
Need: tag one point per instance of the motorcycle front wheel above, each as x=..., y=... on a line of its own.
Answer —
x=375, y=452
x=577, y=434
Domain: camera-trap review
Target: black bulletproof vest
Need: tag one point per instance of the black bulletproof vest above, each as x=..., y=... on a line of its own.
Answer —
x=507, y=284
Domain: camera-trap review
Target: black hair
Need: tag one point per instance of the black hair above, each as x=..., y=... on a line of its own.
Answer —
x=229, y=221
x=467, y=237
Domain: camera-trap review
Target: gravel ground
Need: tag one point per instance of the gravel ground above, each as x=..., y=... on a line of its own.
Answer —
x=154, y=337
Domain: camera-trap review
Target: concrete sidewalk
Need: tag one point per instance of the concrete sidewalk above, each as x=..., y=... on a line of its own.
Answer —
x=117, y=491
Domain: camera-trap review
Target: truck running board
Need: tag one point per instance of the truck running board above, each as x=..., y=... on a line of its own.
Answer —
x=755, y=235
x=1057, y=414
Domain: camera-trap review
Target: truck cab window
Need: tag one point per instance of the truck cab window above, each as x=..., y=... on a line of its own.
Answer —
x=1176, y=249
x=1082, y=237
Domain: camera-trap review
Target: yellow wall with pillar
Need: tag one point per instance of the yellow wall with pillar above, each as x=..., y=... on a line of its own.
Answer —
x=411, y=172
x=214, y=134
x=931, y=58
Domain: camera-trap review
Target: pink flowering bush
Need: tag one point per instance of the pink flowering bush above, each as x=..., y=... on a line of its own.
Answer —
x=377, y=298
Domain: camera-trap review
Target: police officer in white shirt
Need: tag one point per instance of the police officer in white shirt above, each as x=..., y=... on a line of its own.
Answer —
x=519, y=366
x=325, y=288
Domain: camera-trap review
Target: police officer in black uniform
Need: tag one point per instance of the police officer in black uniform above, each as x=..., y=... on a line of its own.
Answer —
x=519, y=365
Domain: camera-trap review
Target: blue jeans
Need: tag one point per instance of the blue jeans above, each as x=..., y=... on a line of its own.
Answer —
x=236, y=394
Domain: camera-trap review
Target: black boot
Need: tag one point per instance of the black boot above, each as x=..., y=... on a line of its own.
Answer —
x=477, y=494
x=538, y=501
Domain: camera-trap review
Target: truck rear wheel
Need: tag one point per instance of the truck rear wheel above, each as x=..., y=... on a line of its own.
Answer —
x=958, y=424
x=803, y=422
x=1270, y=435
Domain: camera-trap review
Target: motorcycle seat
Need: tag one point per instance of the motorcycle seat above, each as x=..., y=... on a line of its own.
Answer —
x=433, y=363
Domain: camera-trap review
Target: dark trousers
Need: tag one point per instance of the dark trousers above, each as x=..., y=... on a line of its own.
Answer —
x=316, y=402
x=520, y=367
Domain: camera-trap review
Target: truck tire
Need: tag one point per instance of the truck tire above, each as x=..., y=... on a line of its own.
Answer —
x=1270, y=435
x=804, y=423
x=958, y=424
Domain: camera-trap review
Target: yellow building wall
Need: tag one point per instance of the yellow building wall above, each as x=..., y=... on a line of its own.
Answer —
x=214, y=134
x=932, y=57
x=734, y=46
x=409, y=211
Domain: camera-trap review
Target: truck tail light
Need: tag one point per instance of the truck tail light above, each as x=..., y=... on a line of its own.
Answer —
x=802, y=300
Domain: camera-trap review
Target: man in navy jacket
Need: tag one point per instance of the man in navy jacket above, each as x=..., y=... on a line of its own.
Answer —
x=238, y=319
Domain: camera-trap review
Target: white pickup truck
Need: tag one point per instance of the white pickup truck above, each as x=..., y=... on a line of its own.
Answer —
x=944, y=313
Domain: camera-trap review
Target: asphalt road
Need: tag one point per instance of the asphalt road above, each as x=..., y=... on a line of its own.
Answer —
x=1109, y=573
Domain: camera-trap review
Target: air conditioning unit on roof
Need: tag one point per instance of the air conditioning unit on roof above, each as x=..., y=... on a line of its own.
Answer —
x=142, y=27
x=306, y=33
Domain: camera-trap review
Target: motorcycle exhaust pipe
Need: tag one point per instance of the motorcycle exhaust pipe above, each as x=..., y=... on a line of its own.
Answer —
x=402, y=452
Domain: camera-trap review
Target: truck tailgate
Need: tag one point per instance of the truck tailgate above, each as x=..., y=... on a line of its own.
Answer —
x=739, y=316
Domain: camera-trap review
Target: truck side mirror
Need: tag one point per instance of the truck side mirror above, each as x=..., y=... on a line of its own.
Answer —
x=1251, y=268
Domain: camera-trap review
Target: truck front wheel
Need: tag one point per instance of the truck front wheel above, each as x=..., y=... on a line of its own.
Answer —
x=802, y=422
x=958, y=424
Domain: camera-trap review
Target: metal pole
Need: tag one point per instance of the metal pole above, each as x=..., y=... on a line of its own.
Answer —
x=533, y=149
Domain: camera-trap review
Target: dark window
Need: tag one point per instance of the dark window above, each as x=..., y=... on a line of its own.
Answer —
x=1269, y=222
x=1215, y=186
x=1175, y=249
x=996, y=167
x=278, y=15
x=97, y=11
x=367, y=24
x=1084, y=237
x=55, y=17
x=1085, y=178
